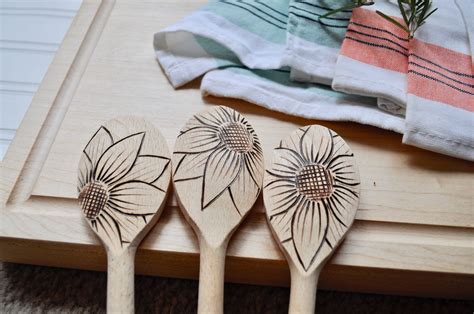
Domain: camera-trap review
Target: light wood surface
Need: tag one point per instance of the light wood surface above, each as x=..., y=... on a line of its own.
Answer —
x=123, y=179
x=217, y=176
x=311, y=194
x=415, y=221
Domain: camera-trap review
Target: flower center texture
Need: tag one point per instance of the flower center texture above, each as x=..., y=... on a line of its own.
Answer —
x=93, y=198
x=236, y=137
x=315, y=182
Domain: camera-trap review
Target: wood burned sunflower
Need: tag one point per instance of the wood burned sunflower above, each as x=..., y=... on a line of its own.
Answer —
x=310, y=191
x=220, y=148
x=112, y=173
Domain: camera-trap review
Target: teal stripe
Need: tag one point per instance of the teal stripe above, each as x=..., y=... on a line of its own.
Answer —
x=266, y=21
x=303, y=22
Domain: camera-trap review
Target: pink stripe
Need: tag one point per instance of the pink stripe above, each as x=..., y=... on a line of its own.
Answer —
x=441, y=74
x=362, y=42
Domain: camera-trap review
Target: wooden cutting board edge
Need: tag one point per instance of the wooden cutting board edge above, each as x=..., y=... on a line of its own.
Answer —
x=50, y=103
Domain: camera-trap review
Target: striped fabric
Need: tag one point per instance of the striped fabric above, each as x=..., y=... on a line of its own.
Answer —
x=373, y=46
x=428, y=79
x=239, y=47
x=440, y=85
x=255, y=51
x=312, y=45
x=31, y=32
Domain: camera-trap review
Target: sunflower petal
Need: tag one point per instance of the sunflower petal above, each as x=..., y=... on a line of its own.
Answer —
x=129, y=225
x=246, y=187
x=281, y=219
x=221, y=169
x=97, y=145
x=119, y=158
x=309, y=228
x=109, y=231
x=147, y=169
x=135, y=198
x=199, y=138
x=190, y=166
x=316, y=144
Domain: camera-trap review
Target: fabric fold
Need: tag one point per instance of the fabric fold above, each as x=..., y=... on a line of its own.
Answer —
x=239, y=47
x=440, y=101
x=260, y=51
x=312, y=44
x=374, y=57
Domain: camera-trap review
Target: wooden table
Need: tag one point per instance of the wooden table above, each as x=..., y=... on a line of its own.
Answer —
x=413, y=233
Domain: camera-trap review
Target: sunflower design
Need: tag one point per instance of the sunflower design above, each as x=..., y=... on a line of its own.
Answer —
x=220, y=148
x=311, y=192
x=120, y=187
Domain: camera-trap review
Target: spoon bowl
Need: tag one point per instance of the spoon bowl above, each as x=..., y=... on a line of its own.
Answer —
x=311, y=194
x=217, y=176
x=124, y=175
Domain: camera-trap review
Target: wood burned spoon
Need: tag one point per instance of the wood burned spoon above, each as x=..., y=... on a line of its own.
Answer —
x=311, y=194
x=124, y=175
x=217, y=175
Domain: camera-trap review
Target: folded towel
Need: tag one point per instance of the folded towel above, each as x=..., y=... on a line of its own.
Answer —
x=312, y=45
x=235, y=44
x=241, y=49
x=427, y=79
x=374, y=58
x=440, y=84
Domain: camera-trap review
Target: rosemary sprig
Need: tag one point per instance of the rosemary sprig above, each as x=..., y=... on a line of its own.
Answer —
x=414, y=13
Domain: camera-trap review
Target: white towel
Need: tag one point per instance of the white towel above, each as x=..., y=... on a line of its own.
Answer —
x=373, y=60
x=440, y=84
x=239, y=47
x=312, y=45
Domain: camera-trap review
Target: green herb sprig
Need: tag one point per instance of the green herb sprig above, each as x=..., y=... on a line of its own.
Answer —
x=414, y=13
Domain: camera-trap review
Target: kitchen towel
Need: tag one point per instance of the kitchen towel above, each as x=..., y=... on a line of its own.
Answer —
x=239, y=47
x=374, y=58
x=440, y=102
x=428, y=79
x=312, y=44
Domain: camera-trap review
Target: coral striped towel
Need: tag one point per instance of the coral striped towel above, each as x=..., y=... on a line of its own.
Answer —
x=440, y=84
x=374, y=58
x=431, y=76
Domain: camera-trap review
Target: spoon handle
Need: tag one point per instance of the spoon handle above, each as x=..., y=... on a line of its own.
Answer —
x=121, y=281
x=303, y=291
x=211, y=278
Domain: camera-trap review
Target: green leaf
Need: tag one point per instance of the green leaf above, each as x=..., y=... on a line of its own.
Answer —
x=391, y=20
x=346, y=7
x=402, y=10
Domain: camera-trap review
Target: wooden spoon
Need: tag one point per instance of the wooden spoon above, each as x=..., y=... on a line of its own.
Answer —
x=217, y=175
x=311, y=194
x=124, y=175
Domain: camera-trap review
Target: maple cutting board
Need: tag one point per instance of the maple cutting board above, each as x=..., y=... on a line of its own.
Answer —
x=413, y=232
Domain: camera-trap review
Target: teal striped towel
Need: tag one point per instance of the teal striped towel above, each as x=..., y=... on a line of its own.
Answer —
x=313, y=44
x=241, y=49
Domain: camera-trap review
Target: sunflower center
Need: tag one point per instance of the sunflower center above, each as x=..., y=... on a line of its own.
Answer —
x=93, y=198
x=315, y=182
x=236, y=137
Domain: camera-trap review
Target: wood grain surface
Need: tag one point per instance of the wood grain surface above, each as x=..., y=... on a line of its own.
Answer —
x=123, y=180
x=416, y=215
x=217, y=175
x=311, y=194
